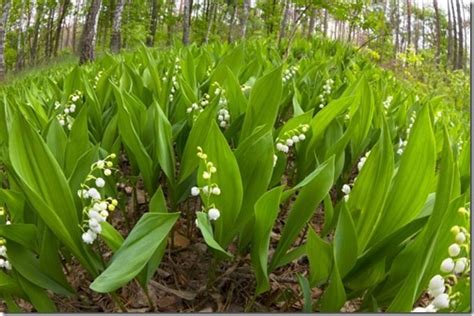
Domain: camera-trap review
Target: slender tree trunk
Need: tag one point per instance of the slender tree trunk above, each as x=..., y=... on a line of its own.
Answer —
x=230, y=38
x=62, y=14
x=455, y=35
x=186, y=21
x=408, y=23
x=423, y=30
x=284, y=22
x=210, y=20
x=438, y=31
x=460, y=62
x=397, y=27
x=450, y=37
x=465, y=27
x=150, y=41
x=20, y=38
x=89, y=33
x=74, y=26
x=170, y=24
x=244, y=17
x=48, y=49
x=3, y=28
x=325, y=22
x=312, y=22
x=34, y=46
x=115, y=40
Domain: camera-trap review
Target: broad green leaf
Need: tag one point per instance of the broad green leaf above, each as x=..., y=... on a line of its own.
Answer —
x=205, y=227
x=266, y=212
x=320, y=258
x=136, y=251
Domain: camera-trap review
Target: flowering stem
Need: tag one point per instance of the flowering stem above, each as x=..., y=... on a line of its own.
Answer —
x=118, y=302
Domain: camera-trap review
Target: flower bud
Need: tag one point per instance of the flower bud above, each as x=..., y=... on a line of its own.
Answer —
x=206, y=175
x=460, y=238
x=99, y=182
x=455, y=229
x=460, y=265
x=107, y=172
x=346, y=189
x=216, y=191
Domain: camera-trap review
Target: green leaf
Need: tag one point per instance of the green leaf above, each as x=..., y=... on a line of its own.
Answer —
x=307, y=307
x=205, y=227
x=413, y=181
x=345, y=242
x=136, y=251
x=263, y=103
x=304, y=207
x=319, y=256
x=266, y=211
x=164, y=143
x=334, y=296
x=229, y=181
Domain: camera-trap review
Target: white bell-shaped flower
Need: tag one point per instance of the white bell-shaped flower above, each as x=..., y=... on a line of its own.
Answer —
x=99, y=182
x=93, y=193
x=460, y=238
x=441, y=301
x=214, y=214
x=454, y=250
x=89, y=236
x=216, y=191
x=346, y=189
x=195, y=191
x=447, y=265
x=460, y=265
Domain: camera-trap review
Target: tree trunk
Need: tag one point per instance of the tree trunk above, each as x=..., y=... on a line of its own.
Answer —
x=34, y=46
x=284, y=22
x=230, y=38
x=150, y=41
x=325, y=22
x=465, y=27
x=455, y=36
x=212, y=13
x=3, y=32
x=450, y=37
x=170, y=24
x=186, y=21
x=62, y=15
x=438, y=31
x=20, y=38
x=244, y=17
x=460, y=62
x=397, y=27
x=408, y=23
x=89, y=33
x=74, y=26
x=48, y=48
x=115, y=40
x=312, y=23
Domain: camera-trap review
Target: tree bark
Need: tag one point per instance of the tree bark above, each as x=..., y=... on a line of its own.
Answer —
x=284, y=22
x=455, y=36
x=244, y=17
x=115, y=40
x=312, y=23
x=3, y=27
x=212, y=13
x=63, y=11
x=34, y=46
x=150, y=41
x=325, y=22
x=438, y=31
x=186, y=21
x=170, y=24
x=89, y=34
x=450, y=37
x=230, y=38
x=48, y=49
x=20, y=38
x=408, y=23
x=460, y=62
x=74, y=26
x=397, y=27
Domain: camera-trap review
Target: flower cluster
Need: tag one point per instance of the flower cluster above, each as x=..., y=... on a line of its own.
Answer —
x=174, y=81
x=97, y=78
x=223, y=117
x=454, y=267
x=4, y=263
x=289, y=73
x=401, y=146
x=64, y=118
x=346, y=189
x=196, y=108
x=412, y=121
x=327, y=88
x=291, y=137
x=97, y=208
x=387, y=102
x=211, y=188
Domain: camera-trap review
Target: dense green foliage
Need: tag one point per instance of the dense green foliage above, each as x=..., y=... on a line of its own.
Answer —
x=323, y=131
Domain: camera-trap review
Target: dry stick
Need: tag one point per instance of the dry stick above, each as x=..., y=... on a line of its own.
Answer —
x=293, y=32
